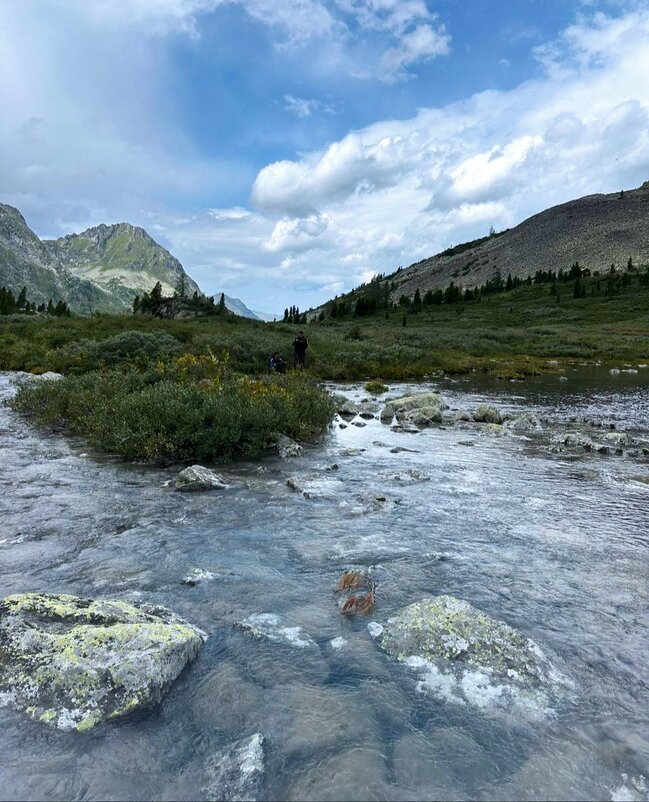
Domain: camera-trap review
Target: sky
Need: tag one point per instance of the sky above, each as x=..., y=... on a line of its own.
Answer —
x=287, y=150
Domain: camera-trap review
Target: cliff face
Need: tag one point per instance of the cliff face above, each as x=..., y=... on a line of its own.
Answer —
x=595, y=231
x=103, y=268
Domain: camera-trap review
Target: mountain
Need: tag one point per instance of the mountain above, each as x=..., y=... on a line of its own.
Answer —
x=237, y=306
x=101, y=269
x=596, y=231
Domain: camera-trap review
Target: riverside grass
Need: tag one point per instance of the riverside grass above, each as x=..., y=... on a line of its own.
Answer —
x=511, y=334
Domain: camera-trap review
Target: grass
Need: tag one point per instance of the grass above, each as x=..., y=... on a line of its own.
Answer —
x=513, y=332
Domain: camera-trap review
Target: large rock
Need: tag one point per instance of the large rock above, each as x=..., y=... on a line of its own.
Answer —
x=487, y=414
x=346, y=408
x=420, y=409
x=466, y=657
x=287, y=448
x=196, y=477
x=73, y=662
x=237, y=772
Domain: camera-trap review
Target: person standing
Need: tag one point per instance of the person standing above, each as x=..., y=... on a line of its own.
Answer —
x=300, y=345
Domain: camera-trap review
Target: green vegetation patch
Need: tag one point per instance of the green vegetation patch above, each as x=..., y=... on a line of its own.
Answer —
x=191, y=408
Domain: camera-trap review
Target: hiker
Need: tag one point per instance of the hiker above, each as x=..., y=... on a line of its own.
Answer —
x=300, y=345
x=276, y=363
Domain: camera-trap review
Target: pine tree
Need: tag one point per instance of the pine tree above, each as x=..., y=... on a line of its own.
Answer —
x=22, y=298
x=221, y=303
x=136, y=304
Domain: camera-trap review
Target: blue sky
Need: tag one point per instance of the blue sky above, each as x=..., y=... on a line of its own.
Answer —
x=287, y=150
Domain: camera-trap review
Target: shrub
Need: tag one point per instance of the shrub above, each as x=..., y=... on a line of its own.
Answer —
x=376, y=387
x=148, y=415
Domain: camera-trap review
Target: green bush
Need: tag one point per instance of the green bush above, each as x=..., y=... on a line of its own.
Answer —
x=144, y=415
x=376, y=387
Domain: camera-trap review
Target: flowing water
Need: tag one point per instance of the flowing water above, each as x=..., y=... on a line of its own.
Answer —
x=556, y=544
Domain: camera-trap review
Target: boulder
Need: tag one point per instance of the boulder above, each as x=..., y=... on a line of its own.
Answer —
x=387, y=414
x=72, y=663
x=493, y=429
x=425, y=416
x=463, y=415
x=196, y=477
x=287, y=448
x=236, y=772
x=525, y=422
x=198, y=576
x=347, y=409
x=464, y=656
x=487, y=414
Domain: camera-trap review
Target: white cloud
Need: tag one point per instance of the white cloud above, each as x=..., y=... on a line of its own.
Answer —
x=420, y=44
x=296, y=235
x=305, y=107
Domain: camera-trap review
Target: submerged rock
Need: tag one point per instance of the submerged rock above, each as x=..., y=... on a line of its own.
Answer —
x=271, y=627
x=487, y=414
x=198, y=576
x=467, y=657
x=73, y=662
x=619, y=439
x=196, y=477
x=463, y=415
x=287, y=448
x=237, y=772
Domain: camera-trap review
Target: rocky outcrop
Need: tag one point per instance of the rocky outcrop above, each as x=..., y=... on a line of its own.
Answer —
x=72, y=663
x=464, y=656
x=196, y=478
x=237, y=772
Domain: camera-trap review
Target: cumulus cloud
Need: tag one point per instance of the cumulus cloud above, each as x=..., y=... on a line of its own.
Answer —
x=420, y=44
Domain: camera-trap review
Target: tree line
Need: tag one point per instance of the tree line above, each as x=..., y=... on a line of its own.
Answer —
x=11, y=304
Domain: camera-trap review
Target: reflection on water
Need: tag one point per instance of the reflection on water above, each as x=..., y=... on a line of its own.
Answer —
x=556, y=544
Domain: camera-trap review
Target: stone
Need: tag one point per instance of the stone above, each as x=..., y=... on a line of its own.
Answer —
x=464, y=656
x=619, y=439
x=196, y=477
x=487, y=414
x=287, y=448
x=237, y=772
x=367, y=415
x=387, y=414
x=347, y=409
x=424, y=416
x=463, y=415
x=198, y=576
x=525, y=422
x=351, y=452
x=418, y=767
x=271, y=627
x=614, y=371
x=72, y=663
x=359, y=423
x=360, y=773
x=493, y=429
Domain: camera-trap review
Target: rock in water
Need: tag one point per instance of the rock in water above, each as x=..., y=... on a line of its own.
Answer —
x=525, y=422
x=73, y=662
x=236, y=773
x=421, y=409
x=287, y=448
x=466, y=657
x=487, y=414
x=271, y=627
x=196, y=477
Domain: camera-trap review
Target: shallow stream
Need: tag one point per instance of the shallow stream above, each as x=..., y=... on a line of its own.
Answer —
x=555, y=544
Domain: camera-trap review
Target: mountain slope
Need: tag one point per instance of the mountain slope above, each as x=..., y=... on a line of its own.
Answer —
x=101, y=269
x=121, y=259
x=595, y=231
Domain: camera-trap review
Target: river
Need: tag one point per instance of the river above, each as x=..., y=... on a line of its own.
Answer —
x=555, y=544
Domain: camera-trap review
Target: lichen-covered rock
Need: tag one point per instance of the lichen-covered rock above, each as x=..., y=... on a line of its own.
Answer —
x=493, y=429
x=387, y=414
x=196, y=478
x=287, y=448
x=73, y=662
x=271, y=627
x=198, y=576
x=463, y=415
x=237, y=772
x=487, y=414
x=525, y=422
x=424, y=416
x=467, y=657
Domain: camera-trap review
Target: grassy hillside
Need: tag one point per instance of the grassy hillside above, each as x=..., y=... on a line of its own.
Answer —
x=511, y=333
